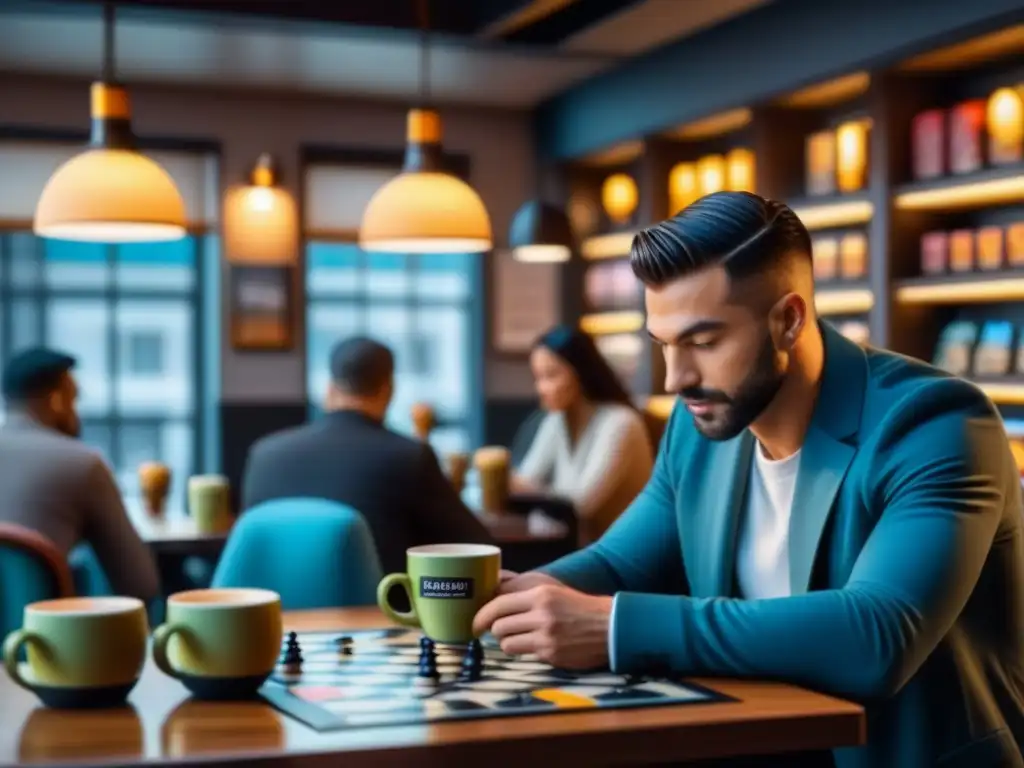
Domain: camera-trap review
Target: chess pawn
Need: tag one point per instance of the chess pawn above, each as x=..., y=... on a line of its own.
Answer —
x=473, y=662
x=422, y=420
x=154, y=485
x=292, y=660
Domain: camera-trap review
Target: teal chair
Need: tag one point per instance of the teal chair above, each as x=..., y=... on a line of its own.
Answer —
x=31, y=569
x=314, y=553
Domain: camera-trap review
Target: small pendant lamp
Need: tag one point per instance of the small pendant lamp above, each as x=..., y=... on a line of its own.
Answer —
x=425, y=209
x=540, y=233
x=110, y=193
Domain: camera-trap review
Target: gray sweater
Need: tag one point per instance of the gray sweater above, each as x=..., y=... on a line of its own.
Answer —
x=601, y=474
x=62, y=489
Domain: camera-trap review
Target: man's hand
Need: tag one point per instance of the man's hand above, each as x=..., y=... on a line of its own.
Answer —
x=562, y=627
x=510, y=581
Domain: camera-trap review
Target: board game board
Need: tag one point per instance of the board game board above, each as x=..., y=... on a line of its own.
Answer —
x=370, y=679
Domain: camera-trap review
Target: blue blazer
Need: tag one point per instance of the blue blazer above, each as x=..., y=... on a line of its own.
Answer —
x=906, y=564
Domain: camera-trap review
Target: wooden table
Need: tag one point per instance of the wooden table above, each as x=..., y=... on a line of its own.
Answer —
x=164, y=727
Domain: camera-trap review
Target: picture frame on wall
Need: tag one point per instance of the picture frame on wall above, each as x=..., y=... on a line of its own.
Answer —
x=262, y=307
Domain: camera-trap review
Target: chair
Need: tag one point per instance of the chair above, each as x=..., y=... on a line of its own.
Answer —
x=31, y=569
x=313, y=552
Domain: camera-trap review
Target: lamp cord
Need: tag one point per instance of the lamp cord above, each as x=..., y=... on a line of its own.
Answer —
x=424, y=19
x=109, y=60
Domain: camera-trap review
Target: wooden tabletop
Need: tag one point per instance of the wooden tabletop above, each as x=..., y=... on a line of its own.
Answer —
x=163, y=727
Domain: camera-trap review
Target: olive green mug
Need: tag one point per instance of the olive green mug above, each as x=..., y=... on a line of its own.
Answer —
x=81, y=652
x=447, y=584
x=220, y=643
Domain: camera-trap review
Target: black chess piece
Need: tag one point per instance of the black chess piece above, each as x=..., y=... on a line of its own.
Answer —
x=472, y=662
x=292, y=653
x=344, y=644
x=426, y=644
x=428, y=664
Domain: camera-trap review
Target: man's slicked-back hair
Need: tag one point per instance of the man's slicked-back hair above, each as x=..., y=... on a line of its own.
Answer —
x=742, y=232
x=34, y=373
x=361, y=366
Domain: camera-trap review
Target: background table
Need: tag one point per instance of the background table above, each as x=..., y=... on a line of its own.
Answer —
x=164, y=726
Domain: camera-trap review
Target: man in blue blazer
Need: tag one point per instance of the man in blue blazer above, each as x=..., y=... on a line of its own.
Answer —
x=843, y=519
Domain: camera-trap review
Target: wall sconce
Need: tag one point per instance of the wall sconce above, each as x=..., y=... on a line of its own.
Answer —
x=740, y=170
x=620, y=197
x=1005, y=119
x=261, y=220
x=851, y=155
x=683, y=188
x=711, y=172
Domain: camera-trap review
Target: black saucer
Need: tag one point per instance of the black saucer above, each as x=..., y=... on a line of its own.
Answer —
x=89, y=697
x=223, y=688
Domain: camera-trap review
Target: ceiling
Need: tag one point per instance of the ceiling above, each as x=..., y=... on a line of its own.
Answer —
x=503, y=53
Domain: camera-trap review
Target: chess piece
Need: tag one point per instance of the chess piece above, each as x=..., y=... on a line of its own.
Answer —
x=472, y=662
x=422, y=420
x=428, y=661
x=154, y=485
x=292, y=660
x=344, y=644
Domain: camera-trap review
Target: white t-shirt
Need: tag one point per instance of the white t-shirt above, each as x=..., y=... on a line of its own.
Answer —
x=762, y=553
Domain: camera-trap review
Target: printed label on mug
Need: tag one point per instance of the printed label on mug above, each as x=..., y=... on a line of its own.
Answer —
x=453, y=588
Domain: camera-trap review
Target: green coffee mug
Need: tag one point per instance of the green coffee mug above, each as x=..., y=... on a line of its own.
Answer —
x=209, y=503
x=220, y=643
x=81, y=652
x=447, y=584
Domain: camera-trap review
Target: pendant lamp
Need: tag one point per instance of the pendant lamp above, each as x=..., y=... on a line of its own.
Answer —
x=110, y=193
x=425, y=209
x=540, y=233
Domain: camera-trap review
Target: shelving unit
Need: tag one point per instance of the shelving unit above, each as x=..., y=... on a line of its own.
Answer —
x=886, y=201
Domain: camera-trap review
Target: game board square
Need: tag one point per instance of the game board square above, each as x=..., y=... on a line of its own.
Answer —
x=671, y=690
x=526, y=666
x=499, y=685
x=369, y=706
x=316, y=693
x=485, y=699
x=379, y=679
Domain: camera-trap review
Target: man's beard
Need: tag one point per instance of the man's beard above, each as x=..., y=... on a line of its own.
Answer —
x=739, y=411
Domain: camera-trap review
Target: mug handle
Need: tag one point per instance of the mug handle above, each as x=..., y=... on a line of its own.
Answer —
x=161, y=636
x=408, y=618
x=12, y=646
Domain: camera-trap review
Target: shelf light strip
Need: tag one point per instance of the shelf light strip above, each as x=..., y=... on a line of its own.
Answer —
x=661, y=405
x=612, y=246
x=996, y=289
x=841, y=301
x=1004, y=394
x=604, y=323
x=838, y=214
x=969, y=195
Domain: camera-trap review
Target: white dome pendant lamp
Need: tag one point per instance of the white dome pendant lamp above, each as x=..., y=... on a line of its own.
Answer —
x=110, y=193
x=425, y=209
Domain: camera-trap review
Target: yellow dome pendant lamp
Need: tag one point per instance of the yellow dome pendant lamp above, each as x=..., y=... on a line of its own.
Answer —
x=110, y=193
x=425, y=209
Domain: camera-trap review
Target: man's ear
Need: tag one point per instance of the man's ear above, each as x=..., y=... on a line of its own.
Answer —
x=788, y=318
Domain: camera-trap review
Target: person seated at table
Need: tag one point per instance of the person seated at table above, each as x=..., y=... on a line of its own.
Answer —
x=839, y=518
x=55, y=484
x=349, y=456
x=592, y=447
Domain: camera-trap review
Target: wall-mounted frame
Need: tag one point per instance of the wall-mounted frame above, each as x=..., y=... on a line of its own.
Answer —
x=262, y=307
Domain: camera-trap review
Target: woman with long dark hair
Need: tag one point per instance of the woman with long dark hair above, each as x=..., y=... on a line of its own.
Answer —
x=592, y=447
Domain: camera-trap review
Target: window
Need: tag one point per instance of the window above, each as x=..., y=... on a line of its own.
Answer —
x=422, y=306
x=135, y=316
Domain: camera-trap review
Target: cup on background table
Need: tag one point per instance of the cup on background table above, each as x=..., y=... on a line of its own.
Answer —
x=82, y=652
x=154, y=485
x=423, y=420
x=447, y=584
x=209, y=502
x=493, y=465
x=222, y=644
x=457, y=465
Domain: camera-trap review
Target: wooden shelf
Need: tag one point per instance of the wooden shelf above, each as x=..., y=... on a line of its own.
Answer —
x=968, y=288
x=1008, y=391
x=843, y=298
x=994, y=186
x=833, y=211
x=604, y=323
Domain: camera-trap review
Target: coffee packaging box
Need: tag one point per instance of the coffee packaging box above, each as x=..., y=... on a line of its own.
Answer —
x=1005, y=122
x=820, y=159
x=934, y=253
x=853, y=256
x=995, y=353
x=956, y=347
x=961, y=250
x=990, y=248
x=929, y=144
x=825, y=252
x=966, y=136
x=1015, y=244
